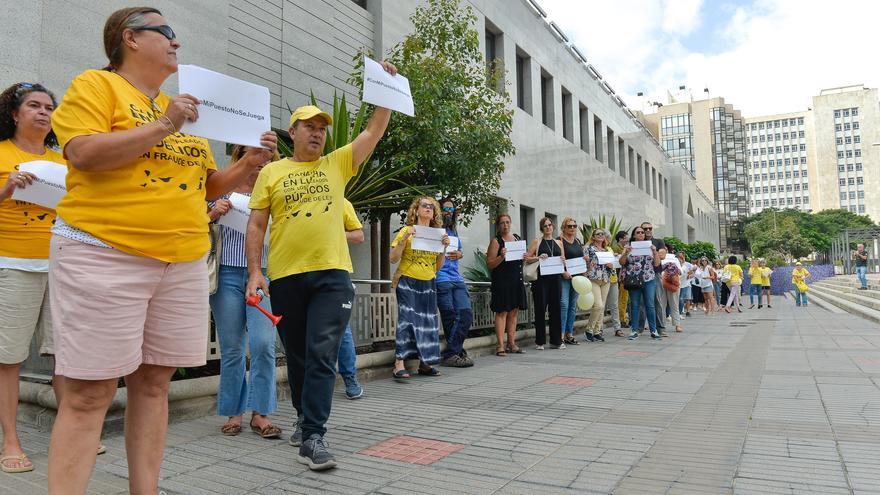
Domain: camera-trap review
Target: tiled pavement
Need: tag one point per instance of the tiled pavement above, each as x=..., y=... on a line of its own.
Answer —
x=769, y=401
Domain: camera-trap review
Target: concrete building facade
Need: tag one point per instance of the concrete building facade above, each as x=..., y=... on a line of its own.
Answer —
x=821, y=158
x=706, y=138
x=580, y=151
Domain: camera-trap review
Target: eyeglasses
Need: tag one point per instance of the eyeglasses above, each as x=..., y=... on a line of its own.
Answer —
x=649, y=228
x=504, y=222
x=427, y=206
x=547, y=225
x=639, y=232
x=571, y=226
x=448, y=209
x=165, y=30
x=599, y=234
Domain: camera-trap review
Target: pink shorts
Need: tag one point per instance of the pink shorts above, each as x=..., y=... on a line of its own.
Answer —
x=112, y=311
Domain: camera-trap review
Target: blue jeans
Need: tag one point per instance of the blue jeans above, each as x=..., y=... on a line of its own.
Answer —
x=754, y=291
x=862, y=273
x=684, y=294
x=238, y=326
x=647, y=296
x=346, y=361
x=568, y=306
x=799, y=298
x=456, y=314
x=717, y=293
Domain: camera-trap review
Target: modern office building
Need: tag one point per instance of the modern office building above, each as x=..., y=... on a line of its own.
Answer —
x=821, y=158
x=580, y=151
x=706, y=138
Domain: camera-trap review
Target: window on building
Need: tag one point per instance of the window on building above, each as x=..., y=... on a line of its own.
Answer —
x=854, y=112
x=837, y=114
x=841, y=182
x=838, y=127
x=861, y=208
x=548, y=116
x=800, y=120
x=786, y=148
x=788, y=175
x=861, y=194
x=857, y=139
x=852, y=195
x=840, y=154
x=849, y=167
x=523, y=81
x=855, y=125
x=803, y=173
x=797, y=173
x=803, y=160
x=584, y=120
x=772, y=189
x=846, y=112
x=772, y=176
x=860, y=180
x=847, y=126
x=797, y=187
x=801, y=134
x=766, y=202
x=805, y=187
x=858, y=166
x=802, y=147
x=858, y=153
x=841, y=167
x=779, y=149
x=610, y=147
x=788, y=187
x=773, y=202
x=851, y=181
x=839, y=141
x=495, y=54
x=849, y=153
x=760, y=125
x=775, y=123
x=567, y=124
x=597, y=139
x=797, y=200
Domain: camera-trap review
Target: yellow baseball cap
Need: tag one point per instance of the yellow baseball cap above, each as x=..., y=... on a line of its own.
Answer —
x=798, y=264
x=307, y=112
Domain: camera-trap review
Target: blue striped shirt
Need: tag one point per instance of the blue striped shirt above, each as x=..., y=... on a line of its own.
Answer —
x=232, y=245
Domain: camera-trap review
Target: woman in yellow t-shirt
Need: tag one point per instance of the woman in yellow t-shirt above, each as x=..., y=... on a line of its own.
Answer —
x=766, y=271
x=755, y=278
x=799, y=278
x=129, y=284
x=25, y=135
x=733, y=283
x=418, y=331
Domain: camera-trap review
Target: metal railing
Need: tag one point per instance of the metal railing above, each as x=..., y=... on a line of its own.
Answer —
x=842, y=248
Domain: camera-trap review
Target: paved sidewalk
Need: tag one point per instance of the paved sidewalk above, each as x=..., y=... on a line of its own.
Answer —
x=769, y=401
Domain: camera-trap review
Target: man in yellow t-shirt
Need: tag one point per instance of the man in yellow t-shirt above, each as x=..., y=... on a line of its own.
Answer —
x=765, y=281
x=309, y=264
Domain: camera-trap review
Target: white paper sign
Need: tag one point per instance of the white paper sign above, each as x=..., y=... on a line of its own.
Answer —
x=237, y=216
x=641, y=248
x=604, y=257
x=428, y=239
x=49, y=187
x=552, y=265
x=232, y=110
x=387, y=91
x=576, y=266
x=453, y=245
x=516, y=250
x=616, y=262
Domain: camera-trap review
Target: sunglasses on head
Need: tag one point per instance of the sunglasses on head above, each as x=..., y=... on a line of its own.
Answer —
x=165, y=30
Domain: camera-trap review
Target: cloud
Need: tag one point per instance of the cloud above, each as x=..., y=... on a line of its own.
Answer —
x=768, y=56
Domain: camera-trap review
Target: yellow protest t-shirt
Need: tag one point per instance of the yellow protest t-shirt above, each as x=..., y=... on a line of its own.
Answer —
x=24, y=227
x=153, y=206
x=765, y=276
x=420, y=265
x=307, y=203
x=755, y=275
x=736, y=274
x=350, y=218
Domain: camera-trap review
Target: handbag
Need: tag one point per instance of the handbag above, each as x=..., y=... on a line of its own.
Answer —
x=214, y=258
x=725, y=276
x=633, y=280
x=530, y=271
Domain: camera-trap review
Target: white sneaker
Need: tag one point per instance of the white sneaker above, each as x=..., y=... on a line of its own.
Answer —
x=539, y=348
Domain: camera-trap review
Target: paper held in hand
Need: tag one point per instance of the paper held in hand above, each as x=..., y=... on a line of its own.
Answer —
x=428, y=239
x=232, y=110
x=616, y=262
x=49, y=187
x=641, y=248
x=237, y=216
x=387, y=91
x=604, y=257
x=516, y=250
x=576, y=266
x=552, y=265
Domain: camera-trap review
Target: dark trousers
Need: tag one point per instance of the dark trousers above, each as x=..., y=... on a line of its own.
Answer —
x=546, y=292
x=315, y=307
x=455, y=312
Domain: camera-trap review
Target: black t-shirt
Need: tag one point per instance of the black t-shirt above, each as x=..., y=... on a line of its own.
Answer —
x=659, y=244
x=859, y=260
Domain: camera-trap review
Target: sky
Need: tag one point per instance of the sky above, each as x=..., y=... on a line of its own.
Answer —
x=762, y=56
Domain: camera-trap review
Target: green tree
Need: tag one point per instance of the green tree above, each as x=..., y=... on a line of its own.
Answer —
x=675, y=244
x=699, y=249
x=610, y=225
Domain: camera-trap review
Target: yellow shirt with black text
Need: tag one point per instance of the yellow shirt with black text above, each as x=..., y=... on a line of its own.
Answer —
x=307, y=203
x=350, y=218
x=153, y=206
x=420, y=265
x=24, y=227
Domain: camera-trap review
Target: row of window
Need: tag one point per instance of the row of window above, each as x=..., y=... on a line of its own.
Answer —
x=849, y=153
x=788, y=188
x=853, y=209
x=850, y=181
x=846, y=112
x=852, y=195
x=846, y=126
x=849, y=167
x=781, y=202
x=760, y=138
x=776, y=123
x=788, y=161
x=788, y=175
x=848, y=140
x=779, y=149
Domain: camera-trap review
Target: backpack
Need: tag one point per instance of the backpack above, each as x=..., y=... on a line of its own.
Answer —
x=671, y=278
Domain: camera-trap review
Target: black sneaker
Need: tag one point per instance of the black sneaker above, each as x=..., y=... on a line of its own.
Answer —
x=599, y=338
x=455, y=361
x=297, y=438
x=314, y=454
x=589, y=337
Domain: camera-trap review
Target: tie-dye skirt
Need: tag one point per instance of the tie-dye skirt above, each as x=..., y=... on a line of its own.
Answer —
x=418, y=328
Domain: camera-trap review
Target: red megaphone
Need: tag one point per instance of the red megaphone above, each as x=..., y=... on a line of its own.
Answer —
x=255, y=302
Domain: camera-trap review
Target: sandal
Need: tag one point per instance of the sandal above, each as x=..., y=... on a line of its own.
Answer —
x=619, y=333
x=401, y=374
x=515, y=350
x=21, y=460
x=429, y=371
x=231, y=429
x=500, y=352
x=268, y=431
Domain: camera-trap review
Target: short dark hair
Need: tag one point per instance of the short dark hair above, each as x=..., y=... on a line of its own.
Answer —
x=731, y=260
x=619, y=235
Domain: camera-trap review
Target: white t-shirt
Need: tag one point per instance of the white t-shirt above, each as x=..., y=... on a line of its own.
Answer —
x=704, y=275
x=685, y=270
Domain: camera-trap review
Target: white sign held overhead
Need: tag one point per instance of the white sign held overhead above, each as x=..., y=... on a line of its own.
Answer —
x=516, y=250
x=387, y=91
x=237, y=216
x=641, y=248
x=231, y=110
x=49, y=187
